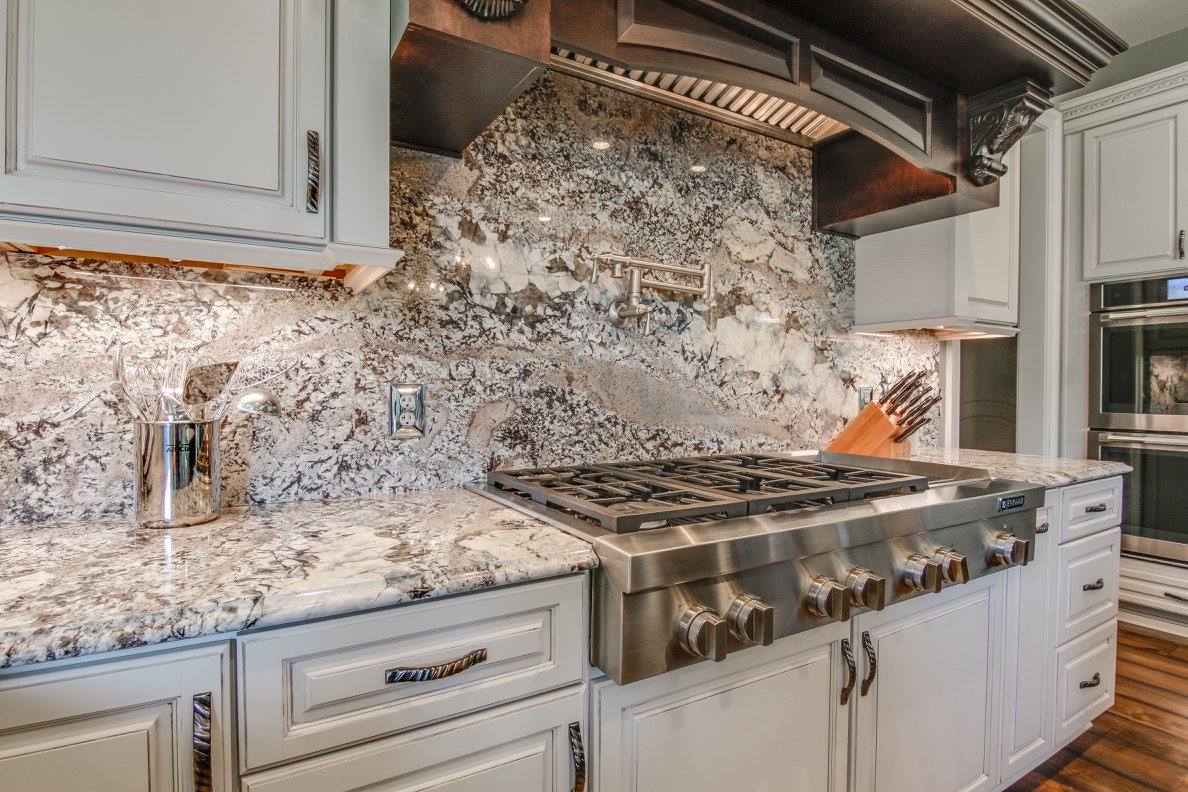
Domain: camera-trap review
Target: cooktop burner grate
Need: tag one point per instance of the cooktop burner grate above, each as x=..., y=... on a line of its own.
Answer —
x=629, y=496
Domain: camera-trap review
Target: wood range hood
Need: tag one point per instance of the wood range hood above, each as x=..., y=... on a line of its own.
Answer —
x=908, y=105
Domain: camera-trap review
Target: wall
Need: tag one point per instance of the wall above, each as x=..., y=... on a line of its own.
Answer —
x=1138, y=61
x=493, y=309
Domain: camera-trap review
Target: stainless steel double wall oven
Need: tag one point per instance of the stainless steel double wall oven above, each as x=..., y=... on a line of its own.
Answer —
x=1138, y=406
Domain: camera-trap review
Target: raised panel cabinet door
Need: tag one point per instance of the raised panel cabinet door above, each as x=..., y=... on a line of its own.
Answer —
x=529, y=746
x=928, y=720
x=168, y=114
x=765, y=719
x=1136, y=194
x=1027, y=704
x=157, y=723
x=986, y=254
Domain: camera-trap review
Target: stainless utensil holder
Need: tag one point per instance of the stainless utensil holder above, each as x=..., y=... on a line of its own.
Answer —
x=178, y=480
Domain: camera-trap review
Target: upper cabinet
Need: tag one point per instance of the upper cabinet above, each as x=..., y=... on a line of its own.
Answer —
x=185, y=119
x=1126, y=180
x=956, y=276
x=1136, y=194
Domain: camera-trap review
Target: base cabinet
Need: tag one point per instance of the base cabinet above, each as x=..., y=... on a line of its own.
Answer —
x=525, y=747
x=159, y=724
x=761, y=715
x=927, y=721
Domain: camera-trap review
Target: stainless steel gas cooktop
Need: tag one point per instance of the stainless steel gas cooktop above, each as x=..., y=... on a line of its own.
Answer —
x=703, y=556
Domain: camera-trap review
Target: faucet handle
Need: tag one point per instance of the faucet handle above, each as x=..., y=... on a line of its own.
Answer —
x=594, y=274
x=648, y=318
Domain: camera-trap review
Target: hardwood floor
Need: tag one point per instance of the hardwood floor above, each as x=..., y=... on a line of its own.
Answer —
x=1140, y=744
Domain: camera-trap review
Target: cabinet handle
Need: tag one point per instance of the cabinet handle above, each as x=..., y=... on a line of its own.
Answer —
x=872, y=664
x=201, y=746
x=1043, y=527
x=429, y=673
x=313, y=171
x=1092, y=683
x=1098, y=509
x=577, y=755
x=1098, y=586
x=851, y=669
x=1181, y=243
x=1176, y=597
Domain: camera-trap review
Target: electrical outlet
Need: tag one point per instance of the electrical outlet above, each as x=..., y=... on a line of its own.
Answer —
x=865, y=395
x=406, y=410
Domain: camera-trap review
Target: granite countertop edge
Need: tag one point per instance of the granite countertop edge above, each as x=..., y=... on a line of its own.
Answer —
x=79, y=588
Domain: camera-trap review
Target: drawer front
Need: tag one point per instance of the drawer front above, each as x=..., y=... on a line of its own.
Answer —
x=1088, y=584
x=523, y=747
x=1157, y=586
x=317, y=687
x=1085, y=680
x=1091, y=507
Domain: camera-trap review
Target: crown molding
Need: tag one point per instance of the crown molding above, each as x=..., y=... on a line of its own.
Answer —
x=1129, y=91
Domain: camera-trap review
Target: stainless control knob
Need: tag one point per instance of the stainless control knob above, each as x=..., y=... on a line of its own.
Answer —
x=703, y=633
x=922, y=573
x=867, y=589
x=752, y=620
x=954, y=566
x=1008, y=549
x=826, y=597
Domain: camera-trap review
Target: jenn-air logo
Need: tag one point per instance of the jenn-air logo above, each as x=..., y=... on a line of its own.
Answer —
x=1013, y=502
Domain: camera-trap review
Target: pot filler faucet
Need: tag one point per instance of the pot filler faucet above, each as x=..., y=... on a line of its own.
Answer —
x=642, y=275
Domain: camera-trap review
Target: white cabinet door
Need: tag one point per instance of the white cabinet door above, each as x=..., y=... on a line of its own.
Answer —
x=986, y=258
x=929, y=720
x=1136, y=194
x=1028, y=725
x=148, y=724
x=521, y=747
x=168, y=114
x=766, y=719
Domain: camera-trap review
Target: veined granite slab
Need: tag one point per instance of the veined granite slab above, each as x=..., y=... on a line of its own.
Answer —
x=84, y=587
x=1044, y=471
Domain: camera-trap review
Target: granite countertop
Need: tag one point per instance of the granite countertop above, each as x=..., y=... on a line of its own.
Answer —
x=84, y=587
x=1044, y=471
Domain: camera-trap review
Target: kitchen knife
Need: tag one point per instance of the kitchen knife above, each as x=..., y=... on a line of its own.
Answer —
x=900, y=391
x=911, y=430
x=920, y=410
x=898, y=386
x=913, y=403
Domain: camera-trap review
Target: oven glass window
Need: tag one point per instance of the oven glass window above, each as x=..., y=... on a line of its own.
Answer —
x=1145, y=369
x=1155, y=506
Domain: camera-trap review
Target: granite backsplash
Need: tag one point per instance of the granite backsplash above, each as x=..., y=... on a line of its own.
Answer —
x=492, y=308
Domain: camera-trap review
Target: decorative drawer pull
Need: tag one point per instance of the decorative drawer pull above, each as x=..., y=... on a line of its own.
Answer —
x=201, y=742
x=1043, y=527
x=1098, y=586
x=577, y=755
x=872, y=667
x=1098, y=509
x=313, y=171
x=1176, y=597
x=851, y=670
x=1092, y=683
x=428, y=673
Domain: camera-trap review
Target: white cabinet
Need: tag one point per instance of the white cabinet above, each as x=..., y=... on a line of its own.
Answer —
x=1136, y=194
x=201, y=116
x=165, y=130
x=767, y=718
x=929, y=719
x=1027, y=720
x=148, y=724
x=525, y=747
x=956, y=273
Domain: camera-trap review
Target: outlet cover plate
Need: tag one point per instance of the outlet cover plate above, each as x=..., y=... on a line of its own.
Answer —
x=406, y=410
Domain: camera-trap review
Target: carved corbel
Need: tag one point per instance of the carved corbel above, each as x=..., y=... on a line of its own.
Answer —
x=997, y=119
x=493, y=9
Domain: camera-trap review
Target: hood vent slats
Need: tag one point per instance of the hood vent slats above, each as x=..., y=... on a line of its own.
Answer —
x=753, y=110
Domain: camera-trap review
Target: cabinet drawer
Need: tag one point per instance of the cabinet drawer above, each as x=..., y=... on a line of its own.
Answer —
x=1088, y=584
x=321, y=686
x=1157, y=586
x=1090, y=507
x=523, y=747
x=1085, y=680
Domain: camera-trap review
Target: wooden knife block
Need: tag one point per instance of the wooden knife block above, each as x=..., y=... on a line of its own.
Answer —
x=871, y=433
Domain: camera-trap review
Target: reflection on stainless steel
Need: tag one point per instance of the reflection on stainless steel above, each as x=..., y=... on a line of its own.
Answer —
x=802, y=552
x=177, y=473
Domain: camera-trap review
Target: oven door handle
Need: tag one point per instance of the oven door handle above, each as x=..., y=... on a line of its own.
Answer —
x=1146, y=313
x=1164, y=440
